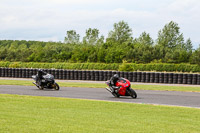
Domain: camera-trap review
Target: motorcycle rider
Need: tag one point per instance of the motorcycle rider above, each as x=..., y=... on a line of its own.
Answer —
x=39, y=76
x=113, y=81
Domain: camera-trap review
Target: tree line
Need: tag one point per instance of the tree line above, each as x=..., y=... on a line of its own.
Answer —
x=119, y=46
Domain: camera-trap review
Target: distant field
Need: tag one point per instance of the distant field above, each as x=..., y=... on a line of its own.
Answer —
x=102, y=85
x=22, y=114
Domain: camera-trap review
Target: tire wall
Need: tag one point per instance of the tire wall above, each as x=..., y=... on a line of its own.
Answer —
x=144, y=77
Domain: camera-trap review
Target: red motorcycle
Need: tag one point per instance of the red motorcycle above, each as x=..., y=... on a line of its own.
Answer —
x=124, y=88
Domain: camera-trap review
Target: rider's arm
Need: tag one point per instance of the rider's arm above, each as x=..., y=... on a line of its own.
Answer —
x=44, y=73
x=112, y=82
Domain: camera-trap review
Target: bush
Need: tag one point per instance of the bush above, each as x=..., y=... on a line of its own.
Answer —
x=159, y=67
x=4, y=64
x=126, y=67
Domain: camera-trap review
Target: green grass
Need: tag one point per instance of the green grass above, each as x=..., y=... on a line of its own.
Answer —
x=167, y=88
x=22, y=114
x=16, y=82
x=103, y=85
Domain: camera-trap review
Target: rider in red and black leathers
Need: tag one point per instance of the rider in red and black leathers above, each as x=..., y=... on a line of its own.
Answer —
x=113, y=82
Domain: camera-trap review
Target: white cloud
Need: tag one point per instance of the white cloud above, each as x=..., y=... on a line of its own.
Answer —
x=80, y=1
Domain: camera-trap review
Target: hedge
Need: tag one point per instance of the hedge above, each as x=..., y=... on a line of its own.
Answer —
x=156, y=67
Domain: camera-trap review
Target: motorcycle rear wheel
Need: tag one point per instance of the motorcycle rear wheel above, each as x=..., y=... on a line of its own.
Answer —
x=56, y=87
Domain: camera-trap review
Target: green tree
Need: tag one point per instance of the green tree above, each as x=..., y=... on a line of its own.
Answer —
x=170, y=36
x=3, y=53
x=188, y=45
x=114, y=55
x=141, y=50
x=92, y=37
x=145, y=39
x=195, y=58
x=72, y=37
x=121, y=33
x=169, y=39
x=101, y=53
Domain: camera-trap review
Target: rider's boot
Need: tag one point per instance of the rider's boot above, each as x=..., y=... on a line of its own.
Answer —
x=115, y=89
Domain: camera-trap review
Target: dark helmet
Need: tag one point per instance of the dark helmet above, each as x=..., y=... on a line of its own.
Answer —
x=40, y=70
x=116, y=76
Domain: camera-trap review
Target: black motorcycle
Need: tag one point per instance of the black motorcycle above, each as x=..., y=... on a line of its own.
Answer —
x=47, y=82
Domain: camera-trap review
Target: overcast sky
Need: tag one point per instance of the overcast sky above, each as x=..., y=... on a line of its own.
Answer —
x=48, y=20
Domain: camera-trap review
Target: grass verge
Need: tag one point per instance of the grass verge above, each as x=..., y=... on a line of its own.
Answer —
x=47, y=114
x=167, y=88
x=102, y=85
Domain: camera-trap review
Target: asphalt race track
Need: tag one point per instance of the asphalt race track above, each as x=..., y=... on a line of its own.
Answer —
x=172, y=98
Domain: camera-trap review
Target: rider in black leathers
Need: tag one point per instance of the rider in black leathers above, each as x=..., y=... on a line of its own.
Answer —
x=39, y=76
x=113, y=82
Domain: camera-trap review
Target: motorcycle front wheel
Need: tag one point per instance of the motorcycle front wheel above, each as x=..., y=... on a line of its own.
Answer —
x=56, y=86
x=133, y=94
